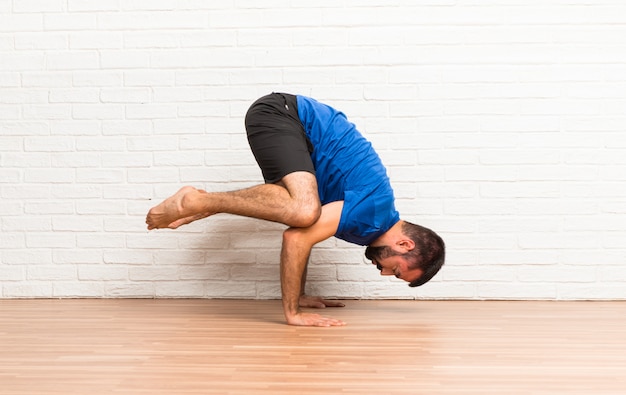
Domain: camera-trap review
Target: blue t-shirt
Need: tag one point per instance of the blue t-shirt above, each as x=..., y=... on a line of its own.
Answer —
x=347, y=168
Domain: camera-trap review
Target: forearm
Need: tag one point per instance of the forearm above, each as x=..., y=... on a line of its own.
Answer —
x=293, y=261
x=303, y=279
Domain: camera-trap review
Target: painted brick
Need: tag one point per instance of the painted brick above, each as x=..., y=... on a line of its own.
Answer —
x=97, y=111
x=73, y=289
x=30, y=289
x=12, y=273
x=41, y=41
x=125, y=289
x=31, y=257
x=98, y=78
x=95, y=40
x=77, y=224
x=49, y=207
x=180, y=289
x=77, y=256
x=16, y=22
x=54, y=273
x=50, y=240
x=71, y=21
x=26, y=224
x=153, y=273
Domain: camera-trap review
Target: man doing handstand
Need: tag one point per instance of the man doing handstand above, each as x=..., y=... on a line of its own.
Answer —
x=322, y=179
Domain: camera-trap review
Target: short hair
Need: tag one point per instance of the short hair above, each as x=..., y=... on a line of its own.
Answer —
x=429, y=252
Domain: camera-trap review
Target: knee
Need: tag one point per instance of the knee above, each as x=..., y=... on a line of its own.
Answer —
x=293, y=236
x=306, y=215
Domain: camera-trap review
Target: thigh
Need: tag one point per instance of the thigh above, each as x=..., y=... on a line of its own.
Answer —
x=277, y=138
x=302, y=186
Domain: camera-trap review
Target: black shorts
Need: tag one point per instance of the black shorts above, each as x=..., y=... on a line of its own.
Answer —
x=277, y=137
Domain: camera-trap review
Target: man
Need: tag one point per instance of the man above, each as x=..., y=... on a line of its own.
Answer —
x=322, y=178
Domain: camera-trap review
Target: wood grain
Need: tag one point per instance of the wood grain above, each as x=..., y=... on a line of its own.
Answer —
x=183, y=347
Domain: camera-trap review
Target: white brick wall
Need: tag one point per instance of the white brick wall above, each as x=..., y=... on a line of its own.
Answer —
x=502, y=123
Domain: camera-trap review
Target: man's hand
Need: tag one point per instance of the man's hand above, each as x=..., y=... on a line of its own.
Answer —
x=309, y=319
x=318, y=303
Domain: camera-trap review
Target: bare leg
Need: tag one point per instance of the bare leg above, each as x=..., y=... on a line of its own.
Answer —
x=294, y=202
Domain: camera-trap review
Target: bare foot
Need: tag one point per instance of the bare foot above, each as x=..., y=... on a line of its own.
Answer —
x=183, y=207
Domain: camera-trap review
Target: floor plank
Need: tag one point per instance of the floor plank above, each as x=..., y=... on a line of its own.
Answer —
x=121, y=346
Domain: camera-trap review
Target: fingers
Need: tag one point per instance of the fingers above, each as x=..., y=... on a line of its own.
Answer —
x=307, y=319
x=319, y=303
x=326, y=322
x=331, y=322
x=333, y=303
x=313, y=303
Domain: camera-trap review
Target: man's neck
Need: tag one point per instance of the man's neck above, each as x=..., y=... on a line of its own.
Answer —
x=391, y=236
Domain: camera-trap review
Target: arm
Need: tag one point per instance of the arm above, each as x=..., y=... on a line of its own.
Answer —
x=303, y=280
x=297, y=245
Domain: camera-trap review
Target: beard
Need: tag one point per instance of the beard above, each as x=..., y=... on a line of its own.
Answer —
x=376, y=254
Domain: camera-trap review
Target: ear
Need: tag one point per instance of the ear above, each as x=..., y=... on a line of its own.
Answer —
x=405, y=244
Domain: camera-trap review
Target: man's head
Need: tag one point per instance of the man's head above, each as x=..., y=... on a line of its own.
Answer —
x=415, y=256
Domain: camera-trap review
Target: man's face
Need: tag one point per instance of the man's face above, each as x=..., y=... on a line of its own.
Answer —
x=391, y=263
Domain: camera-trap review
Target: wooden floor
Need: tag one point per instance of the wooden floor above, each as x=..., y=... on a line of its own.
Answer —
x=174, y=347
